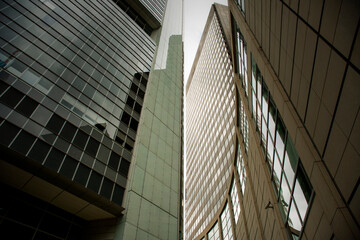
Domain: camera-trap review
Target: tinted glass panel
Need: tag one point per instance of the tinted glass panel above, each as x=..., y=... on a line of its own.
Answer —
x=23, y=142
x=9, y=130
x=82, y=174
x=114, y=161
x=80, y=139
x=11, y=97
x=92, y=147
x=27, y=106
x=68, y=131
x=124, y=167
x=39, y=151
x=118, y=195
x=54, y=159
x=95, y=181
x=68, y=167
x=106, y=188
x=55, y=123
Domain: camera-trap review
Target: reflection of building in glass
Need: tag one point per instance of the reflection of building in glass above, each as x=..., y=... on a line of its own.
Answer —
x=75, y=76
x=294, y=173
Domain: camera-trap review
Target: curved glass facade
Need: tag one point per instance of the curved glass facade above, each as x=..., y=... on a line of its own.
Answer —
x=73, y=80
x=211, y=94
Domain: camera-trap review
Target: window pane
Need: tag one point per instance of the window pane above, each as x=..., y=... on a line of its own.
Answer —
x=291, y=160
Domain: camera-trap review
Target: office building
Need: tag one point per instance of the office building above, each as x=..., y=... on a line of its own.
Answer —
x=210, y=93
x=79, y=82
x=295, y=168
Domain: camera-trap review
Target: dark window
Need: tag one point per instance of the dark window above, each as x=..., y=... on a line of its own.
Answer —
x=125, y=118
x=6, y=78
x=92, y=147
x=130, y=102
x=44, y=236
x=137, y=108
x=118, y=195
x=141, y=93
x=94, y=181
x=27, y=106
x=114, y=161
x=9, y=130
x=124, y=167
x=68, y=167
x=128, y=147
x=23, y=142
x=80, y=139
x=68, y=131
x=24, y=213
x=11, y=97
x=54, y=225
x=3, y=86
x=55, y=123
x=39, y=151
x=12, y=230
x=134, y=124
x=106, y=188
x=134, y=88
x=54, y=159
x=82, y=174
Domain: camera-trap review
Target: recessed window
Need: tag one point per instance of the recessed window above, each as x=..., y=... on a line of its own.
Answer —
x=23, y=142
x=106, y=188
x=82, y=174
x=9, y=130
x=134, y=124
x=125, y=118
x=55, y=123
x=94, y=181
x=124, y=167
x=68, y=167
x=39, y=151
x=92, y=147
x=114, y=161
x=130, y=102
x=118, y=195
x=11, y=97
x=80, y=139
x=68, y=131
x=27, y=106
x=54, y=159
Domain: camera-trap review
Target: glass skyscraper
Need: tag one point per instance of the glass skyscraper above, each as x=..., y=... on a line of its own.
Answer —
x=87, y=87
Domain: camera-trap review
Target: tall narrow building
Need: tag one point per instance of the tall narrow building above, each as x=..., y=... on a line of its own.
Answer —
x=210, y=132
x=84, y=85
x=294, y=172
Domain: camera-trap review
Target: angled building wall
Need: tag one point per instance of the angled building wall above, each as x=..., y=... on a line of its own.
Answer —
x=75, y=77
x=294, y=173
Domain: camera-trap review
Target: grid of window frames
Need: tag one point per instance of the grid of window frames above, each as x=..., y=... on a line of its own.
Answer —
x=90, y=62
x=214, y=233
x=240, y=166
x=241, y=5
x=226, y=224
x=243, y=123
x=235, y=202
x=211, y=94
x=241, y=57
x=290, y=181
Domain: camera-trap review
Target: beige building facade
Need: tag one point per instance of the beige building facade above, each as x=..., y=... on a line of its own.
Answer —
x=295, y=169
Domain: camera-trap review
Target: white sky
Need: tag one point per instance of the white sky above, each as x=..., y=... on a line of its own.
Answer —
x=195, y=16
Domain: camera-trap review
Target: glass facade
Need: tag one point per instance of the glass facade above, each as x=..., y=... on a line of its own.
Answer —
x=210, y=94
x=226, y=225
x=78, y=100
x=289, y=179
